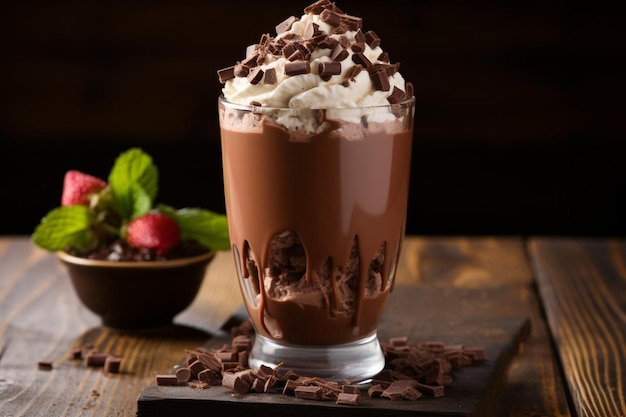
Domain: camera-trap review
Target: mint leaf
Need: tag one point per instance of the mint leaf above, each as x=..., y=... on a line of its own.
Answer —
x=64, y=227
x=131, y=169
x=208, y=228
x=142, y=203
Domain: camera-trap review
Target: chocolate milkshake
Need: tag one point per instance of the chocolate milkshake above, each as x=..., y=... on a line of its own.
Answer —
x=316, y=130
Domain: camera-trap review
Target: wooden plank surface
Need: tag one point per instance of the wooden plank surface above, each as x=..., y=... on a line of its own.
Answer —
x=534, y=383
x=583, y=286
x=460, y=282
x=41, y=318
x=422, y=314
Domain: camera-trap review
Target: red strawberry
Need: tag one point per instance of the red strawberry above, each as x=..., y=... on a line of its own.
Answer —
x=156, y=231
x=78, y=186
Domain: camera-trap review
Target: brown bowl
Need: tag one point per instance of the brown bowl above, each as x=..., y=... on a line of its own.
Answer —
x=136, y=295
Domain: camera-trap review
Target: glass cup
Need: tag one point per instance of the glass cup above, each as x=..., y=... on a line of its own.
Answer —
x=316, y=202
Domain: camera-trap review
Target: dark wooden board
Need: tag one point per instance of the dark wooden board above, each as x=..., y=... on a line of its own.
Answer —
x=472, y=317
x=582, y=284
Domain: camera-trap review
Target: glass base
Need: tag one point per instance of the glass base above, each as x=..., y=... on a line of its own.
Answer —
x=358, y=361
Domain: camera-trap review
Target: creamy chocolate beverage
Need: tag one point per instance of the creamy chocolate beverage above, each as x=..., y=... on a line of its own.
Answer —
x=316, y=129
x=316, y=226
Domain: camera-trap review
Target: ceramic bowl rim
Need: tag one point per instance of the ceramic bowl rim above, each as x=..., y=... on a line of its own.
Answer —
x=170, y=263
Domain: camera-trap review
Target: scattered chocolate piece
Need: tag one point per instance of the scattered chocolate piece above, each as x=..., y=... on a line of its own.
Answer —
x=183, y=374
x=348, y=398
x=351, y=389
x=309, y=392
x=209, y=376
x=112, y=364
x=434, y=390
x=290, y=387
x=403, y=389
x=375, y=390
x=476, y=353
x=45, y=365
x=95, y=358
x=235, y=383
x=77, y=353
x=166, y=380
x=198, y=385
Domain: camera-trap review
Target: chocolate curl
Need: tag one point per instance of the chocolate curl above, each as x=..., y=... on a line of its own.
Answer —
x=285, y=25
x=297, y=68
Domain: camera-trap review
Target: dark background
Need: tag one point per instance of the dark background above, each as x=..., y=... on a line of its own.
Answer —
x=519, y=127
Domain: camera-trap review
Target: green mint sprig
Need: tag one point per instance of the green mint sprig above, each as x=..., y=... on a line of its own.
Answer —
x=131, y=192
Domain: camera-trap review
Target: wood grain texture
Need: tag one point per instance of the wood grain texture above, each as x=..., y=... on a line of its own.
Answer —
x=534, y=385
x=42, y=319
x=422, y=314
x=583, y=287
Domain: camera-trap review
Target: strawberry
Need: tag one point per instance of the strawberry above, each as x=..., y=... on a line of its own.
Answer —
x=155, y=230
x=78, y=187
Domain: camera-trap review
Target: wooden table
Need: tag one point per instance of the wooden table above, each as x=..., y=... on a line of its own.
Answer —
x=572, y=362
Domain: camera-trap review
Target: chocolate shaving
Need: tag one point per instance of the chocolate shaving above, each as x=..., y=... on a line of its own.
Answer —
x=361, y=59
x=285, y=25
x=372, y=39
x=380, y=79
x=296, y=56
x=251, y=61
x=297, y=68
x=331, y=17
x=317, y=7
x=353, y=22
x=358, y=47
x=226, y=74
x=339, y=53
x=255, y=75
x=241, y=70
x=270, y=76
x=396, y=96
x=329, y=68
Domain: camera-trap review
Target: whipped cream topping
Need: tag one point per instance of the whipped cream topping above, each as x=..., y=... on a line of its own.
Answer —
x=322, y=60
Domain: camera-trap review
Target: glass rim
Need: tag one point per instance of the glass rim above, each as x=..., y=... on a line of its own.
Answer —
x=264, y=109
